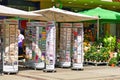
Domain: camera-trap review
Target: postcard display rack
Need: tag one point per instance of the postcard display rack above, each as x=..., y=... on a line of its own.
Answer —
x=50, y=46
x=1, y=45
x=65, y=44
x=36, y=44
x=77, y=61
x=9, y=46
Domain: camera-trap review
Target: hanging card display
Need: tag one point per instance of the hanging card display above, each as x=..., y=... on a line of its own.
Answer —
x=50, y=45
x=36, y=43
x=1, y=44
x=65, y=44
x=77, y=45
x=9, y=49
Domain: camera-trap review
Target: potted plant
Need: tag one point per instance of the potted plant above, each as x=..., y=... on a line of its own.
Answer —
x=110, y=43
x=98, y=57
x=90, y=53
x=113, y=62
x=104, y=54
x=118, y=56
x=118, y=46
x=87, y=57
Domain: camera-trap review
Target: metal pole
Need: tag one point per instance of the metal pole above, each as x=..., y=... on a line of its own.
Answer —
x=97, y=29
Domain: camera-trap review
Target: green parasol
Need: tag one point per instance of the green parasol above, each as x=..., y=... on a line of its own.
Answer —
x=102, y=13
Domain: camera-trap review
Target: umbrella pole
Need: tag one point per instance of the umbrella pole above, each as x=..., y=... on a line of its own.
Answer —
x=28, y=10
x=97, y=29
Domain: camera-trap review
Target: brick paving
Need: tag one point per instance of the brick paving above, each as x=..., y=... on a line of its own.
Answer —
x=89, y=73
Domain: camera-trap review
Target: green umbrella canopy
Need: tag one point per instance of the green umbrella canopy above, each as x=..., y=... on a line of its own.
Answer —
x=102, y=13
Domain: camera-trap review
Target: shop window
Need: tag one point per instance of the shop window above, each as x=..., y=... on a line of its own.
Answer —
x=107, y=29
x=90, y=32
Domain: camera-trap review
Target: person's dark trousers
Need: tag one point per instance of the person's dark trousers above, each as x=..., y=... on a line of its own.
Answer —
x=20, y=51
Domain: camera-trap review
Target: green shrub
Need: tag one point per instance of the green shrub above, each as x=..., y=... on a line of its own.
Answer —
x=104, y=54
x=118, y=47
x=118, y=56
x=110, y=42
x=113, y=61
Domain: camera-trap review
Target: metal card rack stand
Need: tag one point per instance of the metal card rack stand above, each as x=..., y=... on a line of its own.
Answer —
x=1, y=45
x=50, y=47
x=36, y=44
x=77, y=61
x=9, y=46
x=65, y=45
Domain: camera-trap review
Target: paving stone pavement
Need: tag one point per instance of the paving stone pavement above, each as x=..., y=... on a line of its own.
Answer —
x=89, y=73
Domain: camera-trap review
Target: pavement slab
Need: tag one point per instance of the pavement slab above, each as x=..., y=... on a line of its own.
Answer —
x=89, y=73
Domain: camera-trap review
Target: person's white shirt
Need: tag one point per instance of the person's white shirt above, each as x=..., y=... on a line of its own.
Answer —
x=20, y=39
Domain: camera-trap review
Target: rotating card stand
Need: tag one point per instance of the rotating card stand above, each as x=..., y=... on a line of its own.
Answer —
x=34, y=65
x=77, y=63
x=8, y=46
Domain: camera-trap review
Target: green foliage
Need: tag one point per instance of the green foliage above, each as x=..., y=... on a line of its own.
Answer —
x=118, y=46
x=98, y=42
x=109, y=42
x=101, y=53
x=89, y=55
x=98, y=56
x=93, y=49
x=94, y=55
x=118, y=56
x=59, y=4
x=113, y=61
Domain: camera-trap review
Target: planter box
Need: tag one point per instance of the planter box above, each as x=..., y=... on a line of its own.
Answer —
x=96, y=63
